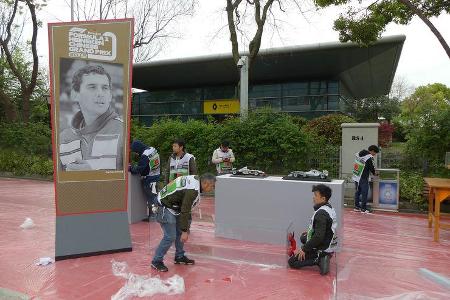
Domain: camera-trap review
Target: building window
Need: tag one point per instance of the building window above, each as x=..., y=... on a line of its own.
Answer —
x=306, y=98
x=333, y=87
x=220, y=92
x=266, y=90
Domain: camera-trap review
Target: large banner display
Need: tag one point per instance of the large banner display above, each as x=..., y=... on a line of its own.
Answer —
x=90, y=74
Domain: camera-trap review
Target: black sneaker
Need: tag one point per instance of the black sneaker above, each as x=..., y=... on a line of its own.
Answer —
x=184, y=260
x=324, y=264
x=159, y=266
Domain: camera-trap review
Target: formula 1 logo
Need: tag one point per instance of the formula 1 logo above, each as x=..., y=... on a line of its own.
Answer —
x=92, y=45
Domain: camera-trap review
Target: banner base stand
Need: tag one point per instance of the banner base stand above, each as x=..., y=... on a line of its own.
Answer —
x=57, y=258
x=92, y=234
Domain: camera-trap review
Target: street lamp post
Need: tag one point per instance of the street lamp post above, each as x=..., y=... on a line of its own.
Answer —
x=243, y=66
x=71, y=10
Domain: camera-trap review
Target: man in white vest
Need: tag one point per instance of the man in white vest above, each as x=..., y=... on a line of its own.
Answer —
x=180, y=163
x=320, y=241
x=175, y=203
x=362, y=167
x=223, y=157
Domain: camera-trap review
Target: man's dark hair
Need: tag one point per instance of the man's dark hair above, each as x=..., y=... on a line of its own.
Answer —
x=323, y=190
x=77, y=78
x=225, y=143
x=179, y=142
x=374, y=148
x=208, y=177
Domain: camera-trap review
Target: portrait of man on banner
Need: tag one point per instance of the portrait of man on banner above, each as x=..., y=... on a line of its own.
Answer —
x=91, y=128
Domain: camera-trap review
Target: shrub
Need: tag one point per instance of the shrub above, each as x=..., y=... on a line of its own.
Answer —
x=269, y=141
x=411, y=188
x=385, y=134
x=21, y=164
x=329, y=127
x=30, y=138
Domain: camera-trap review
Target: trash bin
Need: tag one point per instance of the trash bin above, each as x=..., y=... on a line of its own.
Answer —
x=386, y=188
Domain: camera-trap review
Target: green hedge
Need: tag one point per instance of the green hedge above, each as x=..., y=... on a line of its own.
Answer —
x=273, y=142
x=31, y=138
x=20, y=164
x=26, y=149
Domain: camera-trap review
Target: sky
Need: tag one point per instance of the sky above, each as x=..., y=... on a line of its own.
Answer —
x=423, y=60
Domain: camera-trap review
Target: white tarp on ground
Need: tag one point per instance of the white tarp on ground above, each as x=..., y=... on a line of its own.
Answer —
x=143, y=285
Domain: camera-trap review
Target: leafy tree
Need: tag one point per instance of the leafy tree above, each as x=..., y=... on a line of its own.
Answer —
x=11, y=20
x=11, y=94
x=247, y=15
x=425, y=118
x=365, y=23
x=372, y=109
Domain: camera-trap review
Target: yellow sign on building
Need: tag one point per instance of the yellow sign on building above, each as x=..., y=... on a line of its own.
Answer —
x=221, y=106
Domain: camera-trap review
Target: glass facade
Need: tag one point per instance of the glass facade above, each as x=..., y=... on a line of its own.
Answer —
x=307, y=99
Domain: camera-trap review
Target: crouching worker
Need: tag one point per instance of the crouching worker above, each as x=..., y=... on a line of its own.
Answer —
x=320, y=241
x=175, y=203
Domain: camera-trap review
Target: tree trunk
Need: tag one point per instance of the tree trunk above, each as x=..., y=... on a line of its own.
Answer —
x=26, y=106
x=430, y=25
x=9, y=107
x=231, y=26
x=25, y=87
x=34, y=73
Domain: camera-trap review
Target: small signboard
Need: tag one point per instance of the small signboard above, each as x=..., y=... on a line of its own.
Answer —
x=388, y=197
x=222, y=106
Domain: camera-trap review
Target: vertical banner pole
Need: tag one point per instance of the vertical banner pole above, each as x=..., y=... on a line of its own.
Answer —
x=90, y=74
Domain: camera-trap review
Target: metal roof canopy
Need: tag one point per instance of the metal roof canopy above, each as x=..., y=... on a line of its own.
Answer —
x=363, y=71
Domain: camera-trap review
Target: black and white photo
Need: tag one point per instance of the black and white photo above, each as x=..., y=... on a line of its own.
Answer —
x=91, y=129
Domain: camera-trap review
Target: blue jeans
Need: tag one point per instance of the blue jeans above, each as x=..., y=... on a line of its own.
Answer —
x=362, y=189
x=172, y=233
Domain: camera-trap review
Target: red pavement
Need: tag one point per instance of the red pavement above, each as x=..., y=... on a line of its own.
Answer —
x=381, y=258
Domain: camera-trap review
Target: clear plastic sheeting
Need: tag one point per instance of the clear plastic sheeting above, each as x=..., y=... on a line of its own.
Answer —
x=44, y=261
x=27, y=224
x=381, y=258
x=383, y=255
x=418, y=295
x=143, y=285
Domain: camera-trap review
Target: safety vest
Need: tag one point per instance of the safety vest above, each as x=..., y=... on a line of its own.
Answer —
x=179, y=184
x=333, y=243
x=153, y=161
x=224, y=166
x=358, y=166
x=179, y=166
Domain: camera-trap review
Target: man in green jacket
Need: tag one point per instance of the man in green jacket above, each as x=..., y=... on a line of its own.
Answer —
x=175, y=203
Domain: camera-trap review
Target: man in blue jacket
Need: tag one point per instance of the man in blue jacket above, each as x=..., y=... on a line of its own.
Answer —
x=149, y=169
x=363, y=167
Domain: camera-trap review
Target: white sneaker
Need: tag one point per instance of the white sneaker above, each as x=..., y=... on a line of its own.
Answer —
x=366, y=211
x=356, y=209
